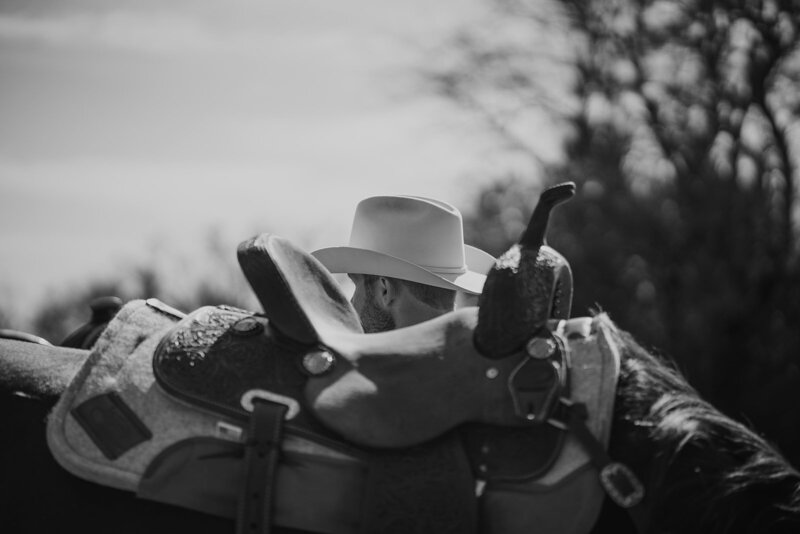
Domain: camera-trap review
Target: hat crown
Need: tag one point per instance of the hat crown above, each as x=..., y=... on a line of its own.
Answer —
x=420, y=230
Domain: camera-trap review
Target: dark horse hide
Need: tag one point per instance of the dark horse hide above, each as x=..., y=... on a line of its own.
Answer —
x=704, y=472
x=405, y=400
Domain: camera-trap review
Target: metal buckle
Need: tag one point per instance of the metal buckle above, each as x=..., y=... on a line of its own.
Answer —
x=293, y=407
x=621, y=484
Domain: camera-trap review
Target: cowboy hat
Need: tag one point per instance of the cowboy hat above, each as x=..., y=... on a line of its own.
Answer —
x=411, y=238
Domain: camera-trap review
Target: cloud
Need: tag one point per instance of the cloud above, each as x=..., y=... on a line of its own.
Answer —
x=242, y=26
x=138, y=118
x=144, y=32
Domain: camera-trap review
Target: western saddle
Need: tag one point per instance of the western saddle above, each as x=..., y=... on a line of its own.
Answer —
x=294, y=417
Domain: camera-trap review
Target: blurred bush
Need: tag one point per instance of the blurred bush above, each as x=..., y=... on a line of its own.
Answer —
x=209, y=275
x=679, y=122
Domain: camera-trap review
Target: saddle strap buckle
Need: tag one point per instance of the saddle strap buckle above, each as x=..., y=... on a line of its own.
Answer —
x=621, y=484
x=249, y=396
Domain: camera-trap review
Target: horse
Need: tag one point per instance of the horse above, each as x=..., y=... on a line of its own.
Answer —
x=507, y=374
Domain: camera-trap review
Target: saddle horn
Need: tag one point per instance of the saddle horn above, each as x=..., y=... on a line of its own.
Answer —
x=529, y=284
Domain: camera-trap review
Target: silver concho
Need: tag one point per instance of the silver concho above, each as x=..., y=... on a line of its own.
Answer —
x=249, y=326
x=318, y=362
x=541, y=348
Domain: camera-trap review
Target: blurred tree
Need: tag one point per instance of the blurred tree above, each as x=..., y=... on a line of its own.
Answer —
x=65, y=314
x=680, y=121
x=209, y=277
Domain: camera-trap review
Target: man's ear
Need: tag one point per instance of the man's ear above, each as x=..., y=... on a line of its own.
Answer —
x=386, y=291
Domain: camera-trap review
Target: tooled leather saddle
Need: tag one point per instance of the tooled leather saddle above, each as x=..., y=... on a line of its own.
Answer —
x=294, y=417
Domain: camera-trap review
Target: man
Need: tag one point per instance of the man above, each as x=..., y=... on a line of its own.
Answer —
x=408, y=261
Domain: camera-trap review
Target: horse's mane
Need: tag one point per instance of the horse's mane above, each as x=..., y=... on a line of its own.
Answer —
x=704, y=471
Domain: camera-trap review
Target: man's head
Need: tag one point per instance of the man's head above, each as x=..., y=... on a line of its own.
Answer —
x=384, y=303
x=407, y=259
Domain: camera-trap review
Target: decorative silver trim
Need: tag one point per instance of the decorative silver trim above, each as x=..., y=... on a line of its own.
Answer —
x=541, y=348
x=229, y=431
x=318, y=362
x=247, y=326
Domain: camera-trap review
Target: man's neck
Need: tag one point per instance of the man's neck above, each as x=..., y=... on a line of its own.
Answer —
x=409, y=311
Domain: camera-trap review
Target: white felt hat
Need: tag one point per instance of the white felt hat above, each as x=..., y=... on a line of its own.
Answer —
x=410, y=238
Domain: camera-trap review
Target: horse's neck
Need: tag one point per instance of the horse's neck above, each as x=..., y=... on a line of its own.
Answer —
x=38, y=370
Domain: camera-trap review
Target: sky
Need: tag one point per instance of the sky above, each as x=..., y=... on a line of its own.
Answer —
x=134, y=128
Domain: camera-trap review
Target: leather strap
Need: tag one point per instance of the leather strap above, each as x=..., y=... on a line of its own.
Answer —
x=261, y=459
x=619, y=482
x=537, y=383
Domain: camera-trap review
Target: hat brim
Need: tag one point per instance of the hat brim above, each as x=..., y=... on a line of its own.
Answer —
x=362, y=261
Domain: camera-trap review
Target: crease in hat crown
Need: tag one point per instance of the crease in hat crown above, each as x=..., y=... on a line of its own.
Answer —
x=423, y=231
x=412, y=238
